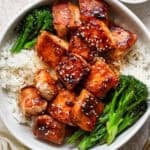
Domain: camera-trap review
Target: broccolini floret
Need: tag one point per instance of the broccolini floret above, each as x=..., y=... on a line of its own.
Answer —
x=37, y=20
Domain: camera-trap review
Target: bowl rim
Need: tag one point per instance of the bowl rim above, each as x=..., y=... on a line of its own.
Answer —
x=38, y=2
x=133, y=2
x=17, y=15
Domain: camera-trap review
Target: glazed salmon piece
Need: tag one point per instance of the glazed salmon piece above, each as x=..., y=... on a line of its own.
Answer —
x=71, y=69
x=93, y=8
x=97, y=35
x=66, y=16
x=47, y=128
x=45, y=83
x=78, y=46
x=86, y=110
x=101, y=79
x=124, y=41
x=75, y=21
x=61, y=18
x=61, y=107
x=31, y=103
x=51, y=48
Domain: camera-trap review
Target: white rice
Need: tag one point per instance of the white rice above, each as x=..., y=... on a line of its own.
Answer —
x=137, y=63
x=17, y=71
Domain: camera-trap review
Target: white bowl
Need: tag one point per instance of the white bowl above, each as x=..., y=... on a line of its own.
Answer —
x=23, y=133
x=133, y=1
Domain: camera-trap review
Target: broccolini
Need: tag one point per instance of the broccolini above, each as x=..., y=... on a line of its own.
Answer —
x=37, y=20
x=125, y=106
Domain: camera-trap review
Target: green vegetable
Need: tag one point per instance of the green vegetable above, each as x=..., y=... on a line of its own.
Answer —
x=37, y=20
x=91, y=139
x=30, y=44
x=126, y=105
x=76, y=136
x=123, y=109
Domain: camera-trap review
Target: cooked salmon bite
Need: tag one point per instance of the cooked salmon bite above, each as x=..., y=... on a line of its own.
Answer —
x=49, y=129
x=101, y=79
x=62, y=16
x=86, y=110
x=93, y=8
x=124, y=41
x=71, y=70
x=78, y=46
x=51, y=48
x=75, y=21
x=31, y=103
x=66, y=16
x=62, y=105
x=97, y=35
x=45, y=84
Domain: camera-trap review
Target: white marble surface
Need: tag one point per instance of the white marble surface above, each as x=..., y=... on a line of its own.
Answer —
x=8, y=8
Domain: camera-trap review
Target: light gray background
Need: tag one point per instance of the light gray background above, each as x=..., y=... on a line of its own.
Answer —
x=9, y=8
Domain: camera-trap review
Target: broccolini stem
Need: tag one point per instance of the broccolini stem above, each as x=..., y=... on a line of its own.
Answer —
x=135, y=104
x=21, y=43
x=30, y=44
x=116, y=116
x=96, y=136
x=115, y=97
x=15, y=45
x=76, y=136
x=24, y=35
x=131, y=117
